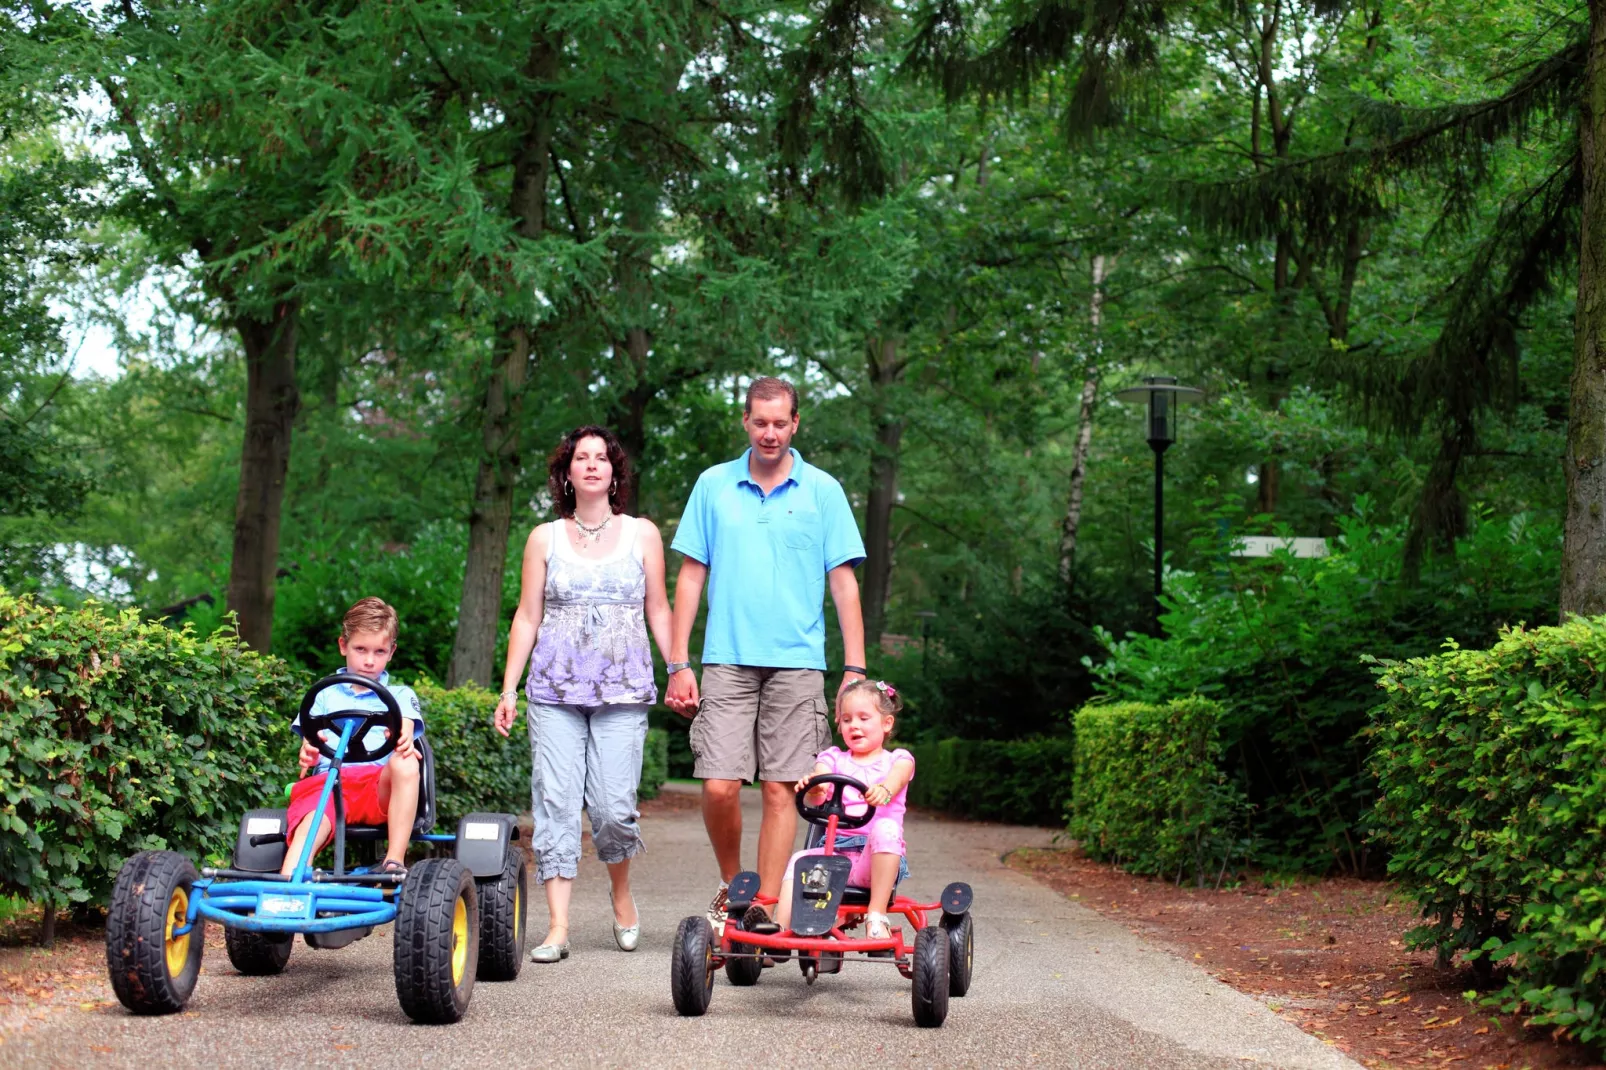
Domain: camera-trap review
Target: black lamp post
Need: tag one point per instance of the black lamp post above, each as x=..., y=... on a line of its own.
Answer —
x=1163, y=395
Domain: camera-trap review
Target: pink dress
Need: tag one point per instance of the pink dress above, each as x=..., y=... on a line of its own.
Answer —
x=884, y=834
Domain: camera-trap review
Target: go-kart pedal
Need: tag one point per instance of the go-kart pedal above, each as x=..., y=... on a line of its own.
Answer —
x=741, y=892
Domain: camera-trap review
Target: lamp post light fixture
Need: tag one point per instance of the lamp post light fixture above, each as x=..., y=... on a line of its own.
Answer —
x=1164, y=396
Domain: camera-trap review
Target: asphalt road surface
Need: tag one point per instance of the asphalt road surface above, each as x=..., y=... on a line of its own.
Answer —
x=1054, y=985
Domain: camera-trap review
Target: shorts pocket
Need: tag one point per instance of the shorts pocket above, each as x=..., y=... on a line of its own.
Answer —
x=822, y=725
x=695, y=736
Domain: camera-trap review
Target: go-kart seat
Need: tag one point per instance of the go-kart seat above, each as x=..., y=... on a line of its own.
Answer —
x=853, y=895
x=425, y=821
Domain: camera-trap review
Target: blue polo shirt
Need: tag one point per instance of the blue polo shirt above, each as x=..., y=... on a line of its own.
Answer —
x=767, y=556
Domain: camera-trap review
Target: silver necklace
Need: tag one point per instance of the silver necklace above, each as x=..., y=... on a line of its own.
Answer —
x=592, y=535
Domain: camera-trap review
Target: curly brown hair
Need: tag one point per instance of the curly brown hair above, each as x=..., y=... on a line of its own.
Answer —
x=557, y=469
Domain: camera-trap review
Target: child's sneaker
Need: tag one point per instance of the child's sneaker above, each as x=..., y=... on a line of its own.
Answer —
x=878, y=927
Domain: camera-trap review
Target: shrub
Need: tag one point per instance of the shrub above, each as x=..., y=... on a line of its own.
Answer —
x=477, y=769
x=1149, y=793
x=117, y=736
x=1492, y=770
x=654, y=764
x=1024, y=781
x=1279, y=644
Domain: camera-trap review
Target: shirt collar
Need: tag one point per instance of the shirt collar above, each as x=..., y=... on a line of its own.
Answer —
x=350, y=689
x=745, y=461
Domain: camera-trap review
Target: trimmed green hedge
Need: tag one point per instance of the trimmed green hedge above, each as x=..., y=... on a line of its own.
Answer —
x=476, y=768
x=1024, y=781
x=118, y=735
x=1492, y=770
x=1149, y=792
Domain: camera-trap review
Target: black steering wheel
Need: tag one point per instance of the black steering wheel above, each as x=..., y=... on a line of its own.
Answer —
x=390, y=718
x=834, y=805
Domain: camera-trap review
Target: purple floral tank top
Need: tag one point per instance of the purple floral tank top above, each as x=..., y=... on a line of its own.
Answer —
x=592, y=646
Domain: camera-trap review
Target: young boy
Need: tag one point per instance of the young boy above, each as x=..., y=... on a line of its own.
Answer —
x=376, y=793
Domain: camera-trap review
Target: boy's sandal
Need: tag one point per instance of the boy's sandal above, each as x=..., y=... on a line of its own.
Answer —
x=392, y=866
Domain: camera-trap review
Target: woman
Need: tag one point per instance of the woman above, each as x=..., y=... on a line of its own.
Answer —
x=587, y=578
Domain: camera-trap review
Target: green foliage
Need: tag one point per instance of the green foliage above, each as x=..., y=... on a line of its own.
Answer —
x=1492, y=770
x=118, y=735
x=1022, y=781
x=1150, y=795
x=476, y=768
x=422, y=579
x=1279, y=644
x=654, y=764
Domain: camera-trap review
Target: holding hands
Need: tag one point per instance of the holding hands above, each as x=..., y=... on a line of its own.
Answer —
x=682, y=695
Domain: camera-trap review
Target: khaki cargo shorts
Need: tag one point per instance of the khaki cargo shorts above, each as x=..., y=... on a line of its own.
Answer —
x=774, y=720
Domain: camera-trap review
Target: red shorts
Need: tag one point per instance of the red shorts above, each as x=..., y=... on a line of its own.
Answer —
x=359, y=787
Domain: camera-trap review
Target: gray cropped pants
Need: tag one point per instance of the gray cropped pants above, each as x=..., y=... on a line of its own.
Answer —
x=585, y=756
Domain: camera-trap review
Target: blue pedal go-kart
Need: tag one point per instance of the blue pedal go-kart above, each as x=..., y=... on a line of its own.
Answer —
x=456, y=918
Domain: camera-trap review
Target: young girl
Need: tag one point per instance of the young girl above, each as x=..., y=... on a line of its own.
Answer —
x=865, y=716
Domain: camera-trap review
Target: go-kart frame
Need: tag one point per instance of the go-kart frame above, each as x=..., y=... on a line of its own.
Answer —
x=938, y=962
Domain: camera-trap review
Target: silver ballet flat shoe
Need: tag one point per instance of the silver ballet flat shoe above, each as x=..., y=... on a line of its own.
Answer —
x=626, y=936
x=550, y=952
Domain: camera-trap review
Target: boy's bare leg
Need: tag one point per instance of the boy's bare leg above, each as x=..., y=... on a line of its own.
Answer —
x=775, y=834
x=722, y=817
x=883, y=875
x=624, y=903
x=398, y=797
x=298, y=839
x=558, y=890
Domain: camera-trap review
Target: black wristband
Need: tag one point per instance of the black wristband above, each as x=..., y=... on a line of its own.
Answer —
x=856, y=668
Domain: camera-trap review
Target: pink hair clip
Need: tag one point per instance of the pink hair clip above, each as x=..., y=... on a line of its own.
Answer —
x=882, y=685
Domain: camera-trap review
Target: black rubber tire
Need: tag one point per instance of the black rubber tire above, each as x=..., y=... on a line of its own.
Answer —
x=425, y=943
x=504, y=902
x=929, y=987
x=691, y=967
x=136, y=934
x=257, y=954
x=744, y=973
x=961, y=951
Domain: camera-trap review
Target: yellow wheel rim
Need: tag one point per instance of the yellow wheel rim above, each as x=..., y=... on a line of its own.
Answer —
x=178, y=947
x=459, y=941
x=518, y=909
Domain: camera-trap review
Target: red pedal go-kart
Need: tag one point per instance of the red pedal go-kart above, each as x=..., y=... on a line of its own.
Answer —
x=824, y=910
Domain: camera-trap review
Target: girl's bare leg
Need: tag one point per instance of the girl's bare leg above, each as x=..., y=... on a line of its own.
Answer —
x=883, y=875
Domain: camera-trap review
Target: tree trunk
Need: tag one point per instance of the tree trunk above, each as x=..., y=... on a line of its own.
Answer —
x=1583, y=552
x=271, y=403
x=885, y=371
x=479, y=611
x=1084, y=430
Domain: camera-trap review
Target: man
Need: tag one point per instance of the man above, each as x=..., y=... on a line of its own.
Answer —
x=768, y=533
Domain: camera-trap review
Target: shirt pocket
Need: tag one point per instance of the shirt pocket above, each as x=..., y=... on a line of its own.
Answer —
x=801, y=530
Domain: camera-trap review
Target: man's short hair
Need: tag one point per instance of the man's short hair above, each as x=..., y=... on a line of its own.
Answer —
x=768, y=388
x=370, y=615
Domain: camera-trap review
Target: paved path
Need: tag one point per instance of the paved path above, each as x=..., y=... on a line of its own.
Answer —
x=1055, y=985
